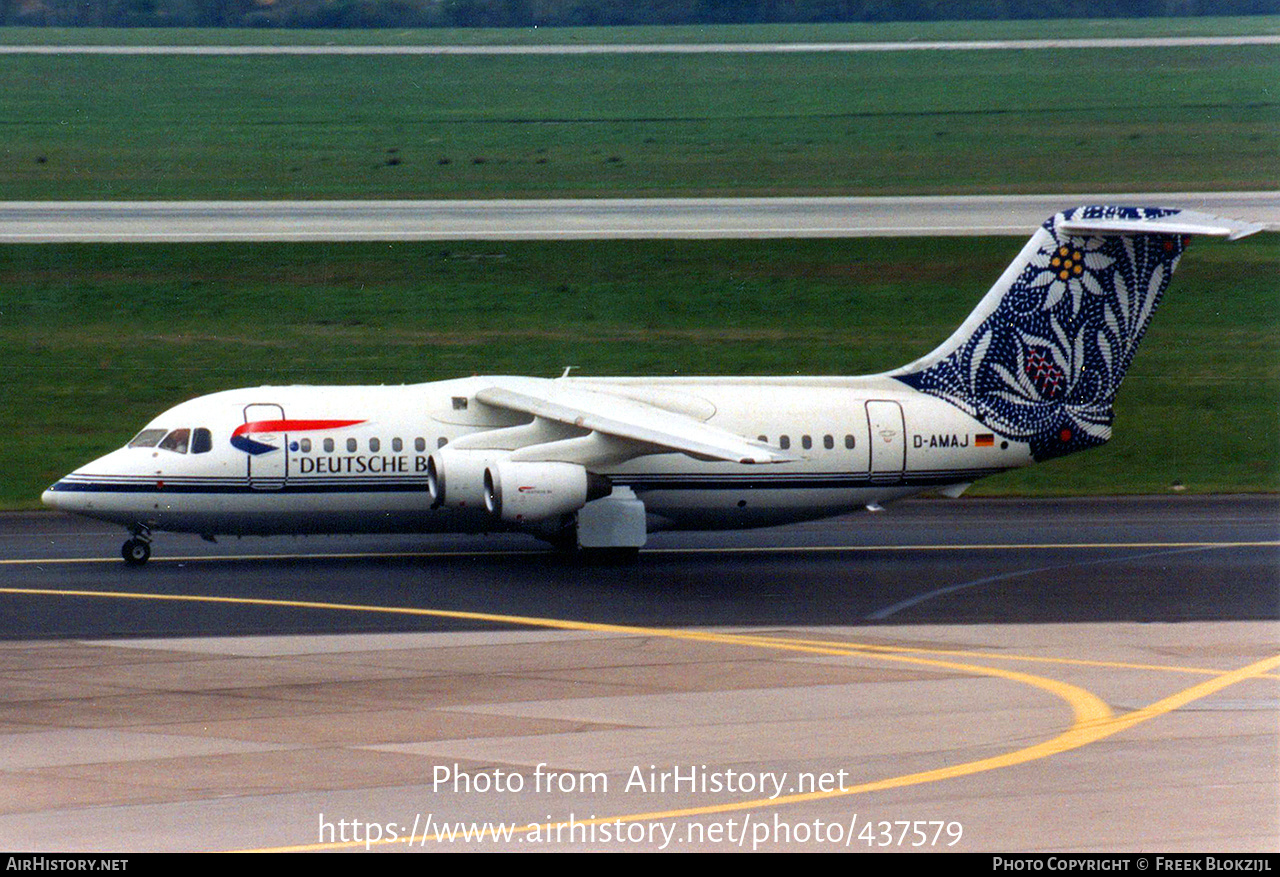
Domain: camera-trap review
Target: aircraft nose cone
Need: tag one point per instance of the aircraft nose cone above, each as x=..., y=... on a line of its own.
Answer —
x=52, y=498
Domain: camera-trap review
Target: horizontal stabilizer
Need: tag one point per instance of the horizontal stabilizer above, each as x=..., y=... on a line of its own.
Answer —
x=1180, y=222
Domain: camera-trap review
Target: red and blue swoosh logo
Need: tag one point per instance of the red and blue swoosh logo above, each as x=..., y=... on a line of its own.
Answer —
x=240, y=439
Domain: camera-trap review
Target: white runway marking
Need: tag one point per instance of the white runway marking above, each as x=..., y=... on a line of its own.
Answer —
x=882, y=614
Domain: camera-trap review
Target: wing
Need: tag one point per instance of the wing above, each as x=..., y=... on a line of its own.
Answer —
x=604, y=427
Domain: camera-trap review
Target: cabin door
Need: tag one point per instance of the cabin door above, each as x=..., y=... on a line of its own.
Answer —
x=268, y=446
x=888, y=441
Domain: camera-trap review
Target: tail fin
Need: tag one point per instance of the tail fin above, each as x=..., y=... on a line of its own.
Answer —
x=1042, y=356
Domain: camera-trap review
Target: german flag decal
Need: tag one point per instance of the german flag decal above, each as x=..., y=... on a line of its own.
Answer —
x=984, y=440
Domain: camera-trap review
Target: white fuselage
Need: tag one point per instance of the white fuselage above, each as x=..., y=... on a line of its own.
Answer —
x=355, y=459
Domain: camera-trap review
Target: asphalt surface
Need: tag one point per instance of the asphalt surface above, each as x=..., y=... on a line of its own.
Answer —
x=1049, y=675
x=556, y=219
x=1014, y=561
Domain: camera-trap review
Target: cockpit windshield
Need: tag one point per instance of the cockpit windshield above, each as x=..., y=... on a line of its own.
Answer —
x=176, y=441
x=179, y=441
x=148, y=438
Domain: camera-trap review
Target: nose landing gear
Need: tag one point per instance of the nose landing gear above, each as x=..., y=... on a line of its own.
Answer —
x=137, y=550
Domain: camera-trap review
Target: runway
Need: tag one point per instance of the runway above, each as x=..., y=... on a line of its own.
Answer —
x=993, y=674
x=567, y=219
x=662, y=48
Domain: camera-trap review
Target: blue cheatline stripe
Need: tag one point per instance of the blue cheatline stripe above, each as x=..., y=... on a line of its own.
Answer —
x=239, y=486
x=816, y=481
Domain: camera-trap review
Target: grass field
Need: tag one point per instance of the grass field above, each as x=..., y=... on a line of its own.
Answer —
x=96, y=340
x=107, y=127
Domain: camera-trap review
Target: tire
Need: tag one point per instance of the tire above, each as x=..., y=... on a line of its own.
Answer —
x=135, y=552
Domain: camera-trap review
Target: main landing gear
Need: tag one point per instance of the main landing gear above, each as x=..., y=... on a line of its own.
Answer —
x=137, y=550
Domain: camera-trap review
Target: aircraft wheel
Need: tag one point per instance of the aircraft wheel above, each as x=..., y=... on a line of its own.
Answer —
x=136, y=552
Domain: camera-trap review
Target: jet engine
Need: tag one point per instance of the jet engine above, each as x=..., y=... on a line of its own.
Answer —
x=527, y=493
x=455, y=478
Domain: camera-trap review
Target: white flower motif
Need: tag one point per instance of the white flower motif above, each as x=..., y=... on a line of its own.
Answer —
x=1090, y=390
x=1070, y=266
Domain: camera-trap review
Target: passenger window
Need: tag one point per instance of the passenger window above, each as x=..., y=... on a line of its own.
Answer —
x=441, y=442
x=763, y=439
x=848, y=442
x=828, y=442
x=351, y=445
x=419, y=444
x=784, y=441
x=305, y=444
x=176, y=441
x=202, y=441
x=374, y=445
x=806, y=442
x=148, y=438
x=328, y=446
x=397, y=445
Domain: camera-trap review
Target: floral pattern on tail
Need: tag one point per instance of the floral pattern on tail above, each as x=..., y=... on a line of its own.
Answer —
x=1045, y=365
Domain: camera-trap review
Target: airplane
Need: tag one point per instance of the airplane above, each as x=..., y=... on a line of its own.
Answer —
x=595, y=464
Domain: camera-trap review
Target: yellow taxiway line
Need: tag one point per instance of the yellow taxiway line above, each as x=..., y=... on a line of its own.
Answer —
x=766, y=549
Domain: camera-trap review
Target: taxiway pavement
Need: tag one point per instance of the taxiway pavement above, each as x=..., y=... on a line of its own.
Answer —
x=1059, y=675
